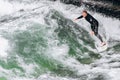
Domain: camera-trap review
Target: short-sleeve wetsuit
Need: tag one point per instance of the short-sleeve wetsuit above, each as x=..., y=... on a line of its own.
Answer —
x=94, y=25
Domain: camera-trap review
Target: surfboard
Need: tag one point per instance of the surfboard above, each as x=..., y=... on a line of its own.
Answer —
x=101, y=48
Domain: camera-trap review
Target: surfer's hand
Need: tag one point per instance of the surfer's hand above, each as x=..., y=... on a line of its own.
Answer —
x=75, y=19
x=92, y=33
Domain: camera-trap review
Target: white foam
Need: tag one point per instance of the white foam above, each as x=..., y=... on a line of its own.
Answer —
x=5, y=7
x=115, y=74
x=22, y=78
x=60, y=51
x=49, y=77
x=8, y=8
x=3, y=47
x=29, y=68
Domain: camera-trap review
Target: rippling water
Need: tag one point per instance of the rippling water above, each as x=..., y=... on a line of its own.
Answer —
x=40, y=41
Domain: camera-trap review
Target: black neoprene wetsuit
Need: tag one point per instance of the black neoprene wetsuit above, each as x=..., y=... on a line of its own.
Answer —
x=94, y=25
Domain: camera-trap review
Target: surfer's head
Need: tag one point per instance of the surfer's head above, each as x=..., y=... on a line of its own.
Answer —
x=84, y=13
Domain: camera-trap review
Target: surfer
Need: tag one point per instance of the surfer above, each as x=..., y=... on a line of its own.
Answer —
x=94, y=25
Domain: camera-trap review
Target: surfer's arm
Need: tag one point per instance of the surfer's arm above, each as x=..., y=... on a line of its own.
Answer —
x=79, y=18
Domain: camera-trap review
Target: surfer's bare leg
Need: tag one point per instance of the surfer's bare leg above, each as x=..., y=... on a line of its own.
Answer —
x=94, y=28
x=100, y=38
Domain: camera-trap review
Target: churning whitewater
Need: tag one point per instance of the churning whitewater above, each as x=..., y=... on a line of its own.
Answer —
x=40, y=41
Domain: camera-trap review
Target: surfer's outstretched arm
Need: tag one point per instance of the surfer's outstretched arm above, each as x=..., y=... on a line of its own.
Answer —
x=78, y=18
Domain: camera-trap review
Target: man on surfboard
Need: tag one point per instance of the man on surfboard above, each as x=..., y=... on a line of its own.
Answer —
x=94, y=25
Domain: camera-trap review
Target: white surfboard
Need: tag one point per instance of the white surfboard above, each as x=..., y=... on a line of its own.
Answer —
x=101, y=48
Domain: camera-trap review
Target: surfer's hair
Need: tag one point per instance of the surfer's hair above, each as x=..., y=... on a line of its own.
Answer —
x=85, y=11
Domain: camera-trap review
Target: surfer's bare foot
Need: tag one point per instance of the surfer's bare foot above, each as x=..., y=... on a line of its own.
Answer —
x=103, y=43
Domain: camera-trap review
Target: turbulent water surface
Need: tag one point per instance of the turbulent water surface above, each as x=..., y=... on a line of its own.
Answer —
x=40, y=41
